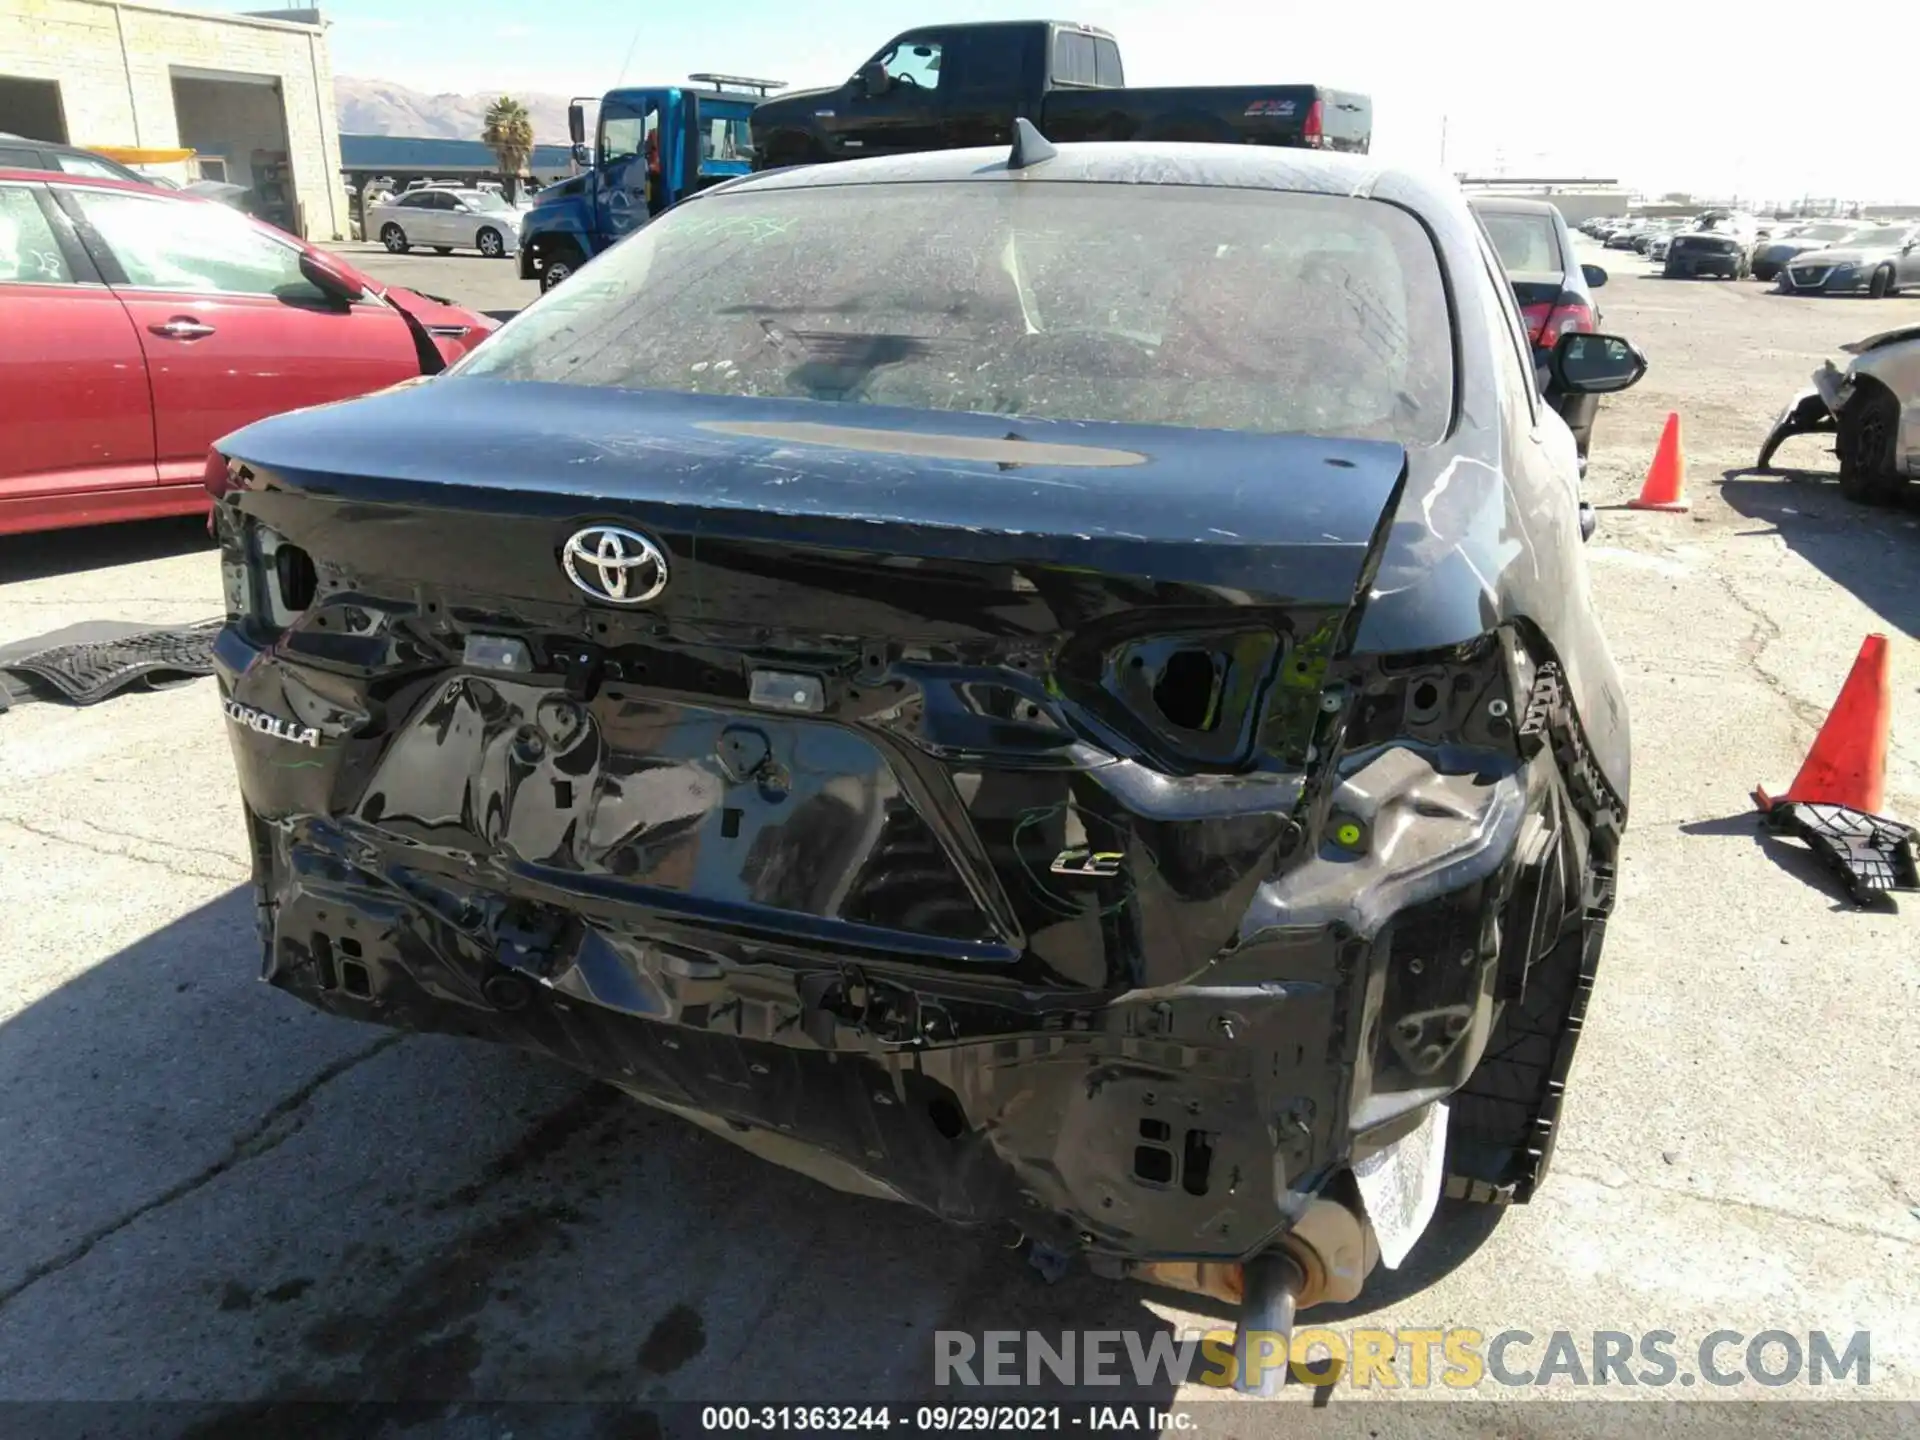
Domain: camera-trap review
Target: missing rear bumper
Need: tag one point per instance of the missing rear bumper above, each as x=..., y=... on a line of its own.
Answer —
x=1194, y=1121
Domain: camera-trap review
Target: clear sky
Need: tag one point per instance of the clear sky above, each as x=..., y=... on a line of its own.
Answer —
x=1766, y=99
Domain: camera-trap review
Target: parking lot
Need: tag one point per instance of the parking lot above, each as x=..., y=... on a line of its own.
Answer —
x=208, y=1192
x=494, y=286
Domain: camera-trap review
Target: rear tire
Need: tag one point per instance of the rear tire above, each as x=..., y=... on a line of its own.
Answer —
x=1881, y=285
x=1868, y=428
x=558, y=262
x=394, y=238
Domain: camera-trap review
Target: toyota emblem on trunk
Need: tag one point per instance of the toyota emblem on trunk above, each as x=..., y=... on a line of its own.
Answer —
x=608, y=563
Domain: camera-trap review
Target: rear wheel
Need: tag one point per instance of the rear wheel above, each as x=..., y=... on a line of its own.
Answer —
x=1881, y=285
x=489, y=243
x=394, y=238
x=1868, y=427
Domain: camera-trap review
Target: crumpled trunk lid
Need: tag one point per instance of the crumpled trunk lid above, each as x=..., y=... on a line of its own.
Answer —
x=1030, y=700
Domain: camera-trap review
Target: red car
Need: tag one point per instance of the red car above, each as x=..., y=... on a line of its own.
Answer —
x=139, y=325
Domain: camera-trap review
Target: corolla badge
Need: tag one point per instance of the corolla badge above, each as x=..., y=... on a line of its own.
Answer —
x=261, y=723
x=608, y=563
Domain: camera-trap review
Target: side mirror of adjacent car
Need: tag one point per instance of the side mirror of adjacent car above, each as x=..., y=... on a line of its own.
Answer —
x=1585, y=364
x=874, y=80
x=577, y=123
x=582, y=158
x=1595, y=276
x=329, y=281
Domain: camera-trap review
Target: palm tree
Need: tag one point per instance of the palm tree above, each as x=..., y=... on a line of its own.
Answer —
x=509, y=134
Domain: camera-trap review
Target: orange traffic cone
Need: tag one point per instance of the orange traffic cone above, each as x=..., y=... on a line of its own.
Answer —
x=1848, y=763
x=1666, y=482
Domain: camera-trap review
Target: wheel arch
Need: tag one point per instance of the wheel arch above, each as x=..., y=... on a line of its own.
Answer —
x=555, y=243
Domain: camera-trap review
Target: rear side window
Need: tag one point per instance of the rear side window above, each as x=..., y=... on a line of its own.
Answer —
x=726, y=132
x=1106, y=61
x=1073, y=59
x=15, y=157
x=29, y=253
x=1214, y=308
x=989, y=59
x=1524, y=242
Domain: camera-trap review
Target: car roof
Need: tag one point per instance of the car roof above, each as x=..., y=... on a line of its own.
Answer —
x=92, y=182
x=1248, y=167
x=59, y=147
x=1078, y=25
x=177, y=197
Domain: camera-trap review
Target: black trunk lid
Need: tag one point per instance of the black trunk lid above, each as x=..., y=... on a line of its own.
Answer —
x=1026, y=698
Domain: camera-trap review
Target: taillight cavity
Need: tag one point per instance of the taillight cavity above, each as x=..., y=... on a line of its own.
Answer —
x=288, y=580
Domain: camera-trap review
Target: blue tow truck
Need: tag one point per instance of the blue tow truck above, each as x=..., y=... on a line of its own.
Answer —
x=701, y=137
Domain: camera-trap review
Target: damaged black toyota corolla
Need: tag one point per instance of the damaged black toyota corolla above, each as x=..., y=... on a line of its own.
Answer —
x=1059, y=688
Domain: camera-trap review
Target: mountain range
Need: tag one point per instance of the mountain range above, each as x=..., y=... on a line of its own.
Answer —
x=381, y=107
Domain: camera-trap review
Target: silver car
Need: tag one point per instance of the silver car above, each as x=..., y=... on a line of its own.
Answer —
x=1878, y=261
x=446, y=220
x=1661, y=242
x=1771, y=255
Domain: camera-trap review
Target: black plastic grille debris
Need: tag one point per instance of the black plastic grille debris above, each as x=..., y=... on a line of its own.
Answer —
x=87, y=672
x=1870, y=853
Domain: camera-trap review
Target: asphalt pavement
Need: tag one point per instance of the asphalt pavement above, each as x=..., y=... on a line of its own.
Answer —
x=471, y=279
x=209, y=1193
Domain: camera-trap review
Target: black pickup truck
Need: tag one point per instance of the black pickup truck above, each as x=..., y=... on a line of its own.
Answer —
x=946, y=87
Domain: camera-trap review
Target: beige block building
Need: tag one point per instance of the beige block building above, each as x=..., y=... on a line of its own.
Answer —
x=251, y=93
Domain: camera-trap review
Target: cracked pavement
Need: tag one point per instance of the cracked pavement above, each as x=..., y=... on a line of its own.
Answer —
x=209, y=1193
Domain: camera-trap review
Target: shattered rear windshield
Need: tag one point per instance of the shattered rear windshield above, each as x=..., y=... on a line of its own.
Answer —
x=1167, y=305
